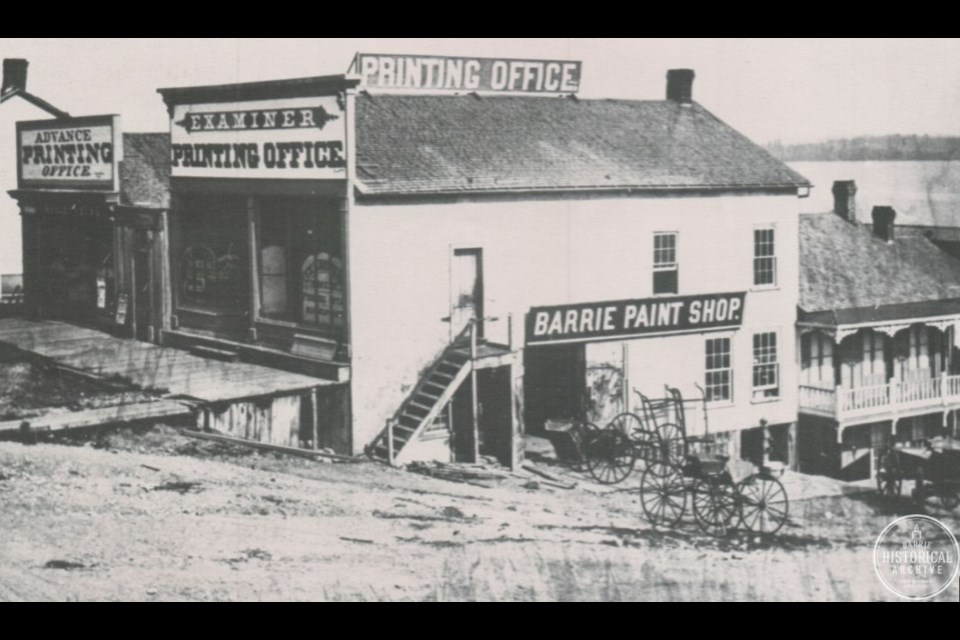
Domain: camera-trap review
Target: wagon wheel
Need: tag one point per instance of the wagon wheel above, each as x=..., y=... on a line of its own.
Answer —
x=626, y=423
x=949, y=499
x=584, y=434
x=716, y=503
x=609, y=456
x=663, y=495
x=642, y=440
x=763, y=504
x=888, y=485
x=646, y=446
x=920, y=490
x=673, y=444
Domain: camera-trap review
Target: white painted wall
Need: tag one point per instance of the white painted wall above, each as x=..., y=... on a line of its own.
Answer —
x=550, y=252
x=11, y=111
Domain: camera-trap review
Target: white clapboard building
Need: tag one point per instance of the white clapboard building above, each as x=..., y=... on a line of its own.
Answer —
x=468, y=250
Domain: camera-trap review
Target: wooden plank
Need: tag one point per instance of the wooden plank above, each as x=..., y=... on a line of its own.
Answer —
x=532, y=468
x=285, y=420
x=98, y=417
x=306, y=453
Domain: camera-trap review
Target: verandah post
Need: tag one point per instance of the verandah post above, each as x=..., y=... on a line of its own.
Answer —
x=475, y=412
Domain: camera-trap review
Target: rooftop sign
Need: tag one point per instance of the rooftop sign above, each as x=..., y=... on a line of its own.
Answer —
x=443, y=73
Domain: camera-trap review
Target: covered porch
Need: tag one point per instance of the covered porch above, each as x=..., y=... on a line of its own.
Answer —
x=860, y=366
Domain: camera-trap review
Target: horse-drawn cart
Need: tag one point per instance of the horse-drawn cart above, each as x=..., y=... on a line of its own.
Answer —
x=679, y=468
x=935, y=470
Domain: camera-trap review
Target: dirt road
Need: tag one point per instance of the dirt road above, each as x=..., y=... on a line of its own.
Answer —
x=161, y=517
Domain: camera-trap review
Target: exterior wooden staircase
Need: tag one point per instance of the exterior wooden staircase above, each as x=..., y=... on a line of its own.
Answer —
x=419, y=412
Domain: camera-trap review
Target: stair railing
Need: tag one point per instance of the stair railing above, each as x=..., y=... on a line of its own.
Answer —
x=468, y=333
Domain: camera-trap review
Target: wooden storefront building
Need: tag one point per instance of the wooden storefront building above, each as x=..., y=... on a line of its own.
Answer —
x=93, y=204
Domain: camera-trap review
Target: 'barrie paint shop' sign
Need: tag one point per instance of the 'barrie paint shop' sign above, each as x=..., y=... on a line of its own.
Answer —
x=300, y=138
x=442, y=73
x=634, y=318
x=69, y=153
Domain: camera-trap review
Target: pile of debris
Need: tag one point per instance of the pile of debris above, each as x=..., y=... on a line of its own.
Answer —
x=483, y=474
x=468, y=473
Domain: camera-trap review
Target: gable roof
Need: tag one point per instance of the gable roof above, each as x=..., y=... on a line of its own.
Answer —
x=145, y=170
x=847, y=274
x=424, y=144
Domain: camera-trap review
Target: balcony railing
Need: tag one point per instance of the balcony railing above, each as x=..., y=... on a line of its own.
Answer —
x=883, y=399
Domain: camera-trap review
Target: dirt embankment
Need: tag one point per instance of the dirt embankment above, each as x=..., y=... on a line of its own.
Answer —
x=156, y=516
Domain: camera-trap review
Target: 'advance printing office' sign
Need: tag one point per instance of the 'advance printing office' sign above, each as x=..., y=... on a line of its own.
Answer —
x=446, y=74
x=69, y=153
x=634, y=318
x=298, y=138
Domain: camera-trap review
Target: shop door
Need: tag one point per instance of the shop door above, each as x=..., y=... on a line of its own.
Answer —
x=467, y=290
x=555, y=384
x=77, y=268
x=495, y=413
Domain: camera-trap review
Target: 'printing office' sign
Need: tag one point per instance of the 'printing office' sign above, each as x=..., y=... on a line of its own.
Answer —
x=445, y=74
x=301, y=138
x=634, y=318
x=69, y=153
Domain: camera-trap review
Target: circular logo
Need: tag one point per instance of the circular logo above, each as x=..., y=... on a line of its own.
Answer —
x=916, y=557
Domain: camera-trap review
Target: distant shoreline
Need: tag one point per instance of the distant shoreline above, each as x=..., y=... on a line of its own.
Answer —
x=872, y=160
x=910, y=148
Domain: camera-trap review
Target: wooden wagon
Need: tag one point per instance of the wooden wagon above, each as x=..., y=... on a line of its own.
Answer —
x=935, y=469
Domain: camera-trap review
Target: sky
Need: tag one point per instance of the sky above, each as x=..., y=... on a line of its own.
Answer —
x=793, y=90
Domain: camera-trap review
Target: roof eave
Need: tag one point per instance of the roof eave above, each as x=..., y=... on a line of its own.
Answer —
x=375, y=191
x=263, y=90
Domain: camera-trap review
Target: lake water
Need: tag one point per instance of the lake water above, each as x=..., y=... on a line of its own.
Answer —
x=922, y=192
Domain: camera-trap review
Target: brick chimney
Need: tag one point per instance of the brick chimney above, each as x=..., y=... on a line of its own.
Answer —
x=14, y=75
x=883, y=218
x=680, y=85
x=844, y=200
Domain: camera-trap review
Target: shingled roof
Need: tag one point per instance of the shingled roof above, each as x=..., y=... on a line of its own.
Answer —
x=422, y=144
x=848, y=275
x=145, y=170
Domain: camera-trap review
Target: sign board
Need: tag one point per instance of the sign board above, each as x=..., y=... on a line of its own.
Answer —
x=442, y=73
x=588, y=322
x=121, y=315
x=302, y=138
x=69, y=153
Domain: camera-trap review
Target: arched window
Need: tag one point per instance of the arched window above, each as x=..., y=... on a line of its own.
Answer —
x=198, y=273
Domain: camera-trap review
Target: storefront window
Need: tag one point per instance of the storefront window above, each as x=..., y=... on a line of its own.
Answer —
x=214, y=265
x=300, y=262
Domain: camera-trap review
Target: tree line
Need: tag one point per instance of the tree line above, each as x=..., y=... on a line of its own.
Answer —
x=891, y=147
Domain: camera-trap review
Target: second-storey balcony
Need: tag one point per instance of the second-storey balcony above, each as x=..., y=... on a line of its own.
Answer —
x=882, y=401
x=882, y=371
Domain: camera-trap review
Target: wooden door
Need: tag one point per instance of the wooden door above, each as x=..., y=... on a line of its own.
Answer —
x=467, y=290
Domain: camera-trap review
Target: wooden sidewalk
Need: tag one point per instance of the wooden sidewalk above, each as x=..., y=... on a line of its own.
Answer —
x=182, y=379
x=173, y=372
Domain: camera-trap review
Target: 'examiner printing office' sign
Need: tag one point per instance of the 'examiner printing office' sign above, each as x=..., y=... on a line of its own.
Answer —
x=69, y=153
x=633, y=318
x=300, y=138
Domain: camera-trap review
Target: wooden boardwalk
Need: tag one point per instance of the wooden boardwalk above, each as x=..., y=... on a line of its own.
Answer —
x=65, y=420
x=172, y=372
